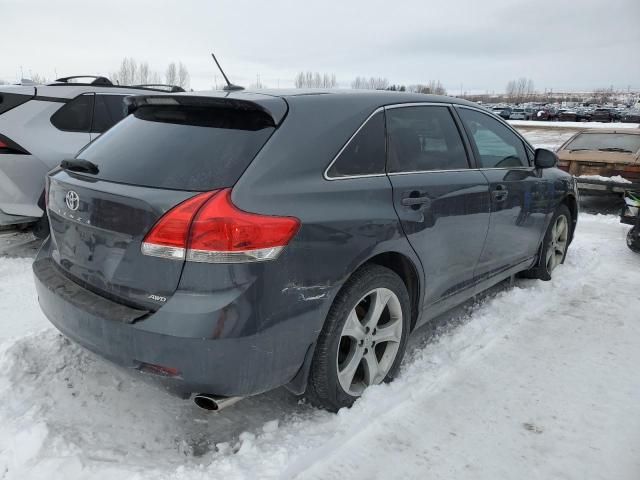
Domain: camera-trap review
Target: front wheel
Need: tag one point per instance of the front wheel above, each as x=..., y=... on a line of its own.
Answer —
x=554, y=246
x=633, y=239
x=363, y=340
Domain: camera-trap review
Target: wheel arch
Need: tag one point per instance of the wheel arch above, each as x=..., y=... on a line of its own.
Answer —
x=572, y=204
x=405, y=268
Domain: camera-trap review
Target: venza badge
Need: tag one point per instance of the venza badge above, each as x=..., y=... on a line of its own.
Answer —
x=72, y=200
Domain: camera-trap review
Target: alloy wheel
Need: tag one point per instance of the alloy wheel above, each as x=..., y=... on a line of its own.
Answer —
x=557, y=243
x=369, y=341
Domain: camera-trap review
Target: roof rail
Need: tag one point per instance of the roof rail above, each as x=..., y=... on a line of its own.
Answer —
x=98, y=80
x=171, y=88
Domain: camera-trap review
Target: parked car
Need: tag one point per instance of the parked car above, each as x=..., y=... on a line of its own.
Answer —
x=543, y=114
x=504, y=112
x=40, y=125
x=603, y=160
x=566, y=115
x=603, y=115
x=289, y=245
x=519, y=114
x=631, y=116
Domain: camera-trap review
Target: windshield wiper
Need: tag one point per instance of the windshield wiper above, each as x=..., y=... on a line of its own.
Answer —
x=615, y=149
x=80, y=165
x=578, y=149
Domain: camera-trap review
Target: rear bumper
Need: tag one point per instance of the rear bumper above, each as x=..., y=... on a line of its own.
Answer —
x=598, y=186
x=238, y=366
x=21, y=184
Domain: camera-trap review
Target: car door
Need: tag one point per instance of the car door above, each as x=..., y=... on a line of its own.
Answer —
x=442, y=203
x=109, y=109
x=518, y=193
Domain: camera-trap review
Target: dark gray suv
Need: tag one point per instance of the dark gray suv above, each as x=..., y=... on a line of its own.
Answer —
x=231, y=243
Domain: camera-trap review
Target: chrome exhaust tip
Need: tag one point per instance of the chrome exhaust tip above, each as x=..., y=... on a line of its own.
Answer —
x=213, y=402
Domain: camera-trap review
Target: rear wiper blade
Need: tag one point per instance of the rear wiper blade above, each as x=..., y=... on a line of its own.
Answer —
x=615, y=149
x=80, y=165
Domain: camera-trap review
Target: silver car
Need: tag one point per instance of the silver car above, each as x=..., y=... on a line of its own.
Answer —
x=41, y=125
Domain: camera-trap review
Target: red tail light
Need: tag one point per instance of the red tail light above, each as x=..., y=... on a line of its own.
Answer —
x=209, y=228
x=9, y=146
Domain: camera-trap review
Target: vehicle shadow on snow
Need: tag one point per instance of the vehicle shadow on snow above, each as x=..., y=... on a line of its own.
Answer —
x=107, y=413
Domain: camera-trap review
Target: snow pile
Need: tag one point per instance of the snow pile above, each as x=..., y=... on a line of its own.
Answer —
x=548, y=138
x=600, y=178
x=540, y=380
x=574, y=125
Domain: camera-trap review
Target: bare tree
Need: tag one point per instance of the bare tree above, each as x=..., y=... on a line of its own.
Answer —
x=143, y=73
x=520, y=90
x=38, y=79
x=155, y=78
x=371, y=83
x=433, y=87
x=127, y=74
x=315, y=80
x=171, y=76
x=183, y=76
x=258, y=84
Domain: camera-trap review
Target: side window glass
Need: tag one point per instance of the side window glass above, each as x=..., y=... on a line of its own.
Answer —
x=109, y=110
x=365, y=153
x=75, y=116
x=496, y=145
x=424, y=138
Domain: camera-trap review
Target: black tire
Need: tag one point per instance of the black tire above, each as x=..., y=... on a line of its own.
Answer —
x=41, y=227
x=541, y=271
x=323, y=388
x=633, y=239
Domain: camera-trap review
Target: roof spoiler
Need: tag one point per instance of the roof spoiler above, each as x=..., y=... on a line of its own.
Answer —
x=133, y=103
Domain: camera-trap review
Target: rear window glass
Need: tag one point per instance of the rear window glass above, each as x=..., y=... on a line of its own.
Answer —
x=606, y=142
x=365, y=154
x=75, y=116
x=182, y=148
x=12, y=100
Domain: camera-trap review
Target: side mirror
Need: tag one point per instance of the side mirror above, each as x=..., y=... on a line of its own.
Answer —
x=545, y=158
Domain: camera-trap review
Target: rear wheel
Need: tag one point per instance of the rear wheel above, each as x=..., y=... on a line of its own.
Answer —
x=554, y=246
x=633, y=239
x=41, y=227
x=363, y=340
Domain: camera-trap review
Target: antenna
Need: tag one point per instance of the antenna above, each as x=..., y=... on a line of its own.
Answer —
x=230, y=86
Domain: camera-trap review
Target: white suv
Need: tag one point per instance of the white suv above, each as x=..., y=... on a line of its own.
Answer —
x=41, y=125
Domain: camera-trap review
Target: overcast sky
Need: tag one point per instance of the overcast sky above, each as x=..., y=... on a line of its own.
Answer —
x=473, y=45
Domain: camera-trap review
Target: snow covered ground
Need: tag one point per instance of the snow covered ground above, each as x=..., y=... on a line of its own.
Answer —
x=538, y=381
x=546, y=137
x=572, y=125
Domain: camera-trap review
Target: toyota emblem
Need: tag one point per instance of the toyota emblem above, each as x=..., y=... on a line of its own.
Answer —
x=72, y=200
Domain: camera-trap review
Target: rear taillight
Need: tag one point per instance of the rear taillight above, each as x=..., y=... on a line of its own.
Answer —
x=9, y=146
x=209, y=228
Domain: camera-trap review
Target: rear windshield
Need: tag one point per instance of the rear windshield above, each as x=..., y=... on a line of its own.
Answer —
x=622, y=142
x=180, y=147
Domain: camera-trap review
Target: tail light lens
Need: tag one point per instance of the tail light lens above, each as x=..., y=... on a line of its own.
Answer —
x=209, y=228
x=9, y=146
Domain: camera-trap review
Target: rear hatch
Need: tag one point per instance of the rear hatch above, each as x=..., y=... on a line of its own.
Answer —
x=163, y=154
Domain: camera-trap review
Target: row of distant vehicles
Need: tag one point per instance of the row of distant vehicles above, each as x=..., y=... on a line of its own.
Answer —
x=577, y=114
